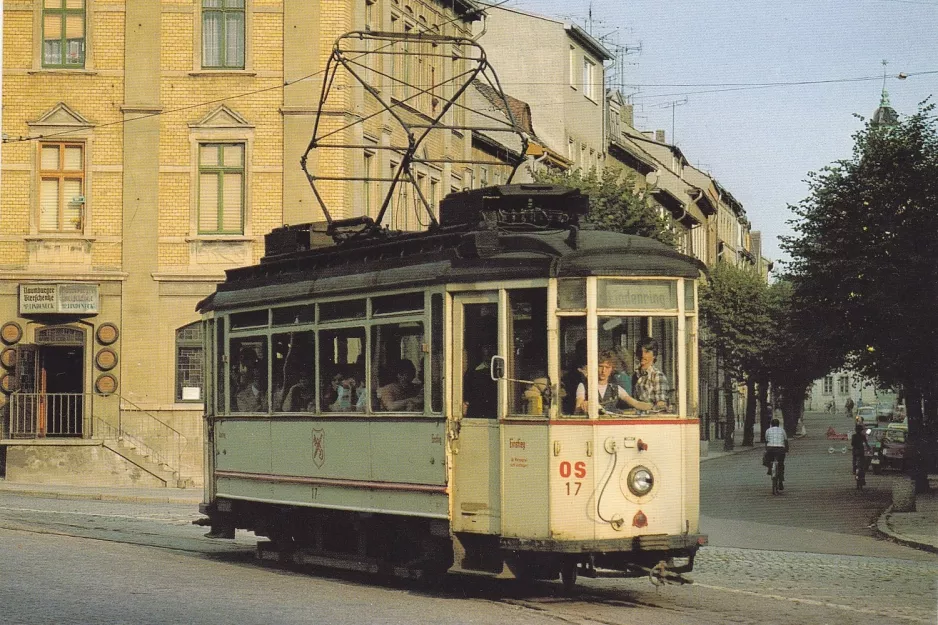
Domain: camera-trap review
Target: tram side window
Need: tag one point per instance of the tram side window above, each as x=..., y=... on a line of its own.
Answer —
x=249, y=391
x=528, y=358
x=397, y=367
x=646, y=351
x=342, y=370
x=293, y=372
x=572, y=361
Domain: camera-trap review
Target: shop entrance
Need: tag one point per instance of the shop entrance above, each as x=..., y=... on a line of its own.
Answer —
x=50, y=400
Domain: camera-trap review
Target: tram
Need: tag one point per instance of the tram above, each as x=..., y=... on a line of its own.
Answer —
x=420, y=402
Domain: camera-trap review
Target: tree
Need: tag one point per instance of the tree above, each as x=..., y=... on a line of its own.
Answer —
x=734, y=312
x=864, y=261
x=615, y=205
x=798, y=352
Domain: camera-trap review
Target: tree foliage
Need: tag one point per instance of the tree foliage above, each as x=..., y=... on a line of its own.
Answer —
x=865, y=256
x=734, y=310
x=615, y=205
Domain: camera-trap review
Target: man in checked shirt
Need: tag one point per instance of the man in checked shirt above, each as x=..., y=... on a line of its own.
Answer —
x=649, y=384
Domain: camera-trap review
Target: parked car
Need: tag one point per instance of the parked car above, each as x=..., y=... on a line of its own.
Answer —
x=893, y=449
x=866, y=415
x=884, y=413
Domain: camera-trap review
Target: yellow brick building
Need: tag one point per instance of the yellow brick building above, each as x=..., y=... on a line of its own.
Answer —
x=148, y=146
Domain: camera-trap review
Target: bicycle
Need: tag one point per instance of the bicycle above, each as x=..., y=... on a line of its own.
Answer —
x=859, y=472
x=776, y=478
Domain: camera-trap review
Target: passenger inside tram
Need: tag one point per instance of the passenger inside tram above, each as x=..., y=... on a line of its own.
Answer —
x=611, y=396
x=403, y=394
x=650, y=384
x=251, y=395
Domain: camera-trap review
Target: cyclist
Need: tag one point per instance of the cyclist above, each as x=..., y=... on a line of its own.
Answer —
x=776, y=445
x=860, y=445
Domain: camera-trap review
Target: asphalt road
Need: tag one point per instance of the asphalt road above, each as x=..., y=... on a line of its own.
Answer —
x=804, y=557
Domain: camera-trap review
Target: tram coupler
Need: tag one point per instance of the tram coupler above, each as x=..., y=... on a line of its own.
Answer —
x=661, y=574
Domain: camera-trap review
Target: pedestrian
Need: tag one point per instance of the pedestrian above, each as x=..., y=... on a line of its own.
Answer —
x=848, y=405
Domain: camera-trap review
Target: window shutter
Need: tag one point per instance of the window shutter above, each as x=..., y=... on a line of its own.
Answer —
x=49, y=205
x=49, y=160
x=208, y=203
x=73, y=160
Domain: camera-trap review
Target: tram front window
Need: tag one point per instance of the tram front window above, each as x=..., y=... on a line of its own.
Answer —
x=639, y=354
x=645, y=350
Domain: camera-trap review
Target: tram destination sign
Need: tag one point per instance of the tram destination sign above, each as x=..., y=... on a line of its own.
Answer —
x=58, y=299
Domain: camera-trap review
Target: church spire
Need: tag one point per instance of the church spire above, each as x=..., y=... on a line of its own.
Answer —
x=885, y=116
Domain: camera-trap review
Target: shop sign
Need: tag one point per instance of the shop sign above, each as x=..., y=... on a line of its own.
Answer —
x=61, y=299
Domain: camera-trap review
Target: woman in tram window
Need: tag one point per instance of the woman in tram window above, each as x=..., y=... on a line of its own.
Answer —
x=610, y=393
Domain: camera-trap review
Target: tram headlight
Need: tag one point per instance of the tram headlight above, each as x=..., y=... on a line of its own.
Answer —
x=640, y=481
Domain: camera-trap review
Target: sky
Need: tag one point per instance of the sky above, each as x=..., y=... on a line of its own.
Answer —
x=761, y=142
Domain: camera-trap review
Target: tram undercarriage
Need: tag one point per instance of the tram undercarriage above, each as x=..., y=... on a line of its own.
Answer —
x=419, y=548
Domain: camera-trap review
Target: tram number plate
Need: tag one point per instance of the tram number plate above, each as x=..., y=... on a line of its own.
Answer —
x=576, y=470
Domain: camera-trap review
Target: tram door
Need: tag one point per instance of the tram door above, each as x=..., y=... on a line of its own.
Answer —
x=476, y=470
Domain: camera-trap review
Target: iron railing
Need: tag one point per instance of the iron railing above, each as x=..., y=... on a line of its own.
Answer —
x=152, y=438
x=36, y=415
x=40, y=415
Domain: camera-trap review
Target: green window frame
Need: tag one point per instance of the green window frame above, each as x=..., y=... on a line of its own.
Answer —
x=63, y=33
x=189, y=363
x=223, y=34
x=221, y=188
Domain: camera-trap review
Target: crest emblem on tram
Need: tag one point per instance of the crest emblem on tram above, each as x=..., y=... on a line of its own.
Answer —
x=319, y=447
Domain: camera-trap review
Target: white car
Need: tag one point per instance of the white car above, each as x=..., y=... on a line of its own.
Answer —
x=866, y=415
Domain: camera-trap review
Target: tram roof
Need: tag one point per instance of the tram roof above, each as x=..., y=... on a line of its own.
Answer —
x=447, y=256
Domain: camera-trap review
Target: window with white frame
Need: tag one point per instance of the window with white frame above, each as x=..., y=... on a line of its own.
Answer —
x=63, y=33
x=843, y=385
x=223, y=26
x=189, y=360
x=828, y=385
x=221, y=188
x=61, y=187
x=589, y=79
x=572, y=68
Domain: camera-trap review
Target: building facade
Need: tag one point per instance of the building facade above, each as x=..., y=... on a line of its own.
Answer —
x=557, y=69
x=148, y=147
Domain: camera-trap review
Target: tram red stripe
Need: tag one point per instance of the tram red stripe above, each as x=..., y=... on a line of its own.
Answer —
x=325, y=481
x=604, y=422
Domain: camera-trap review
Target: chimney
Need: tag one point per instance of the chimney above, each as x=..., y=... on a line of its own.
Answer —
x=628, y=114
x=659, y=136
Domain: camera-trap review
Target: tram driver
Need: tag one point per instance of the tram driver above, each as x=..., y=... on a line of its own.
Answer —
x=610, y=393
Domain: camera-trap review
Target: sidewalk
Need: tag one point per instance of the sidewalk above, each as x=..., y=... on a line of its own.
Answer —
x=184, y=496
x=917, y=529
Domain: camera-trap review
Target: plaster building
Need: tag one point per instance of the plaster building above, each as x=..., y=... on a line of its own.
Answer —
x=557, y=69
x=659, y=170
x=149, y=146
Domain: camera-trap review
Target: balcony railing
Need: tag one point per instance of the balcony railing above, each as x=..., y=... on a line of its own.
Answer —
x=35, y=415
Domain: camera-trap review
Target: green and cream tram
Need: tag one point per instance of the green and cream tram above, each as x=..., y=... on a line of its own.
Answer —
x=414, y=402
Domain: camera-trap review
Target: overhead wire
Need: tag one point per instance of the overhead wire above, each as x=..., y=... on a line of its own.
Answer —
x=423, y=27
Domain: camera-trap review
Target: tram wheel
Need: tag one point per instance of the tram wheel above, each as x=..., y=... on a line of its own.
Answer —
x=568, y=574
